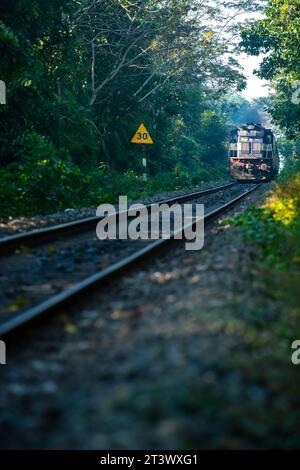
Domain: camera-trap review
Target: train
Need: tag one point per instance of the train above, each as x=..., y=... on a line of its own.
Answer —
x=253, y=154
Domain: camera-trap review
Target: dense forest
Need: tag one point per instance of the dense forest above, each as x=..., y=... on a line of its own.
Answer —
x=82, y=75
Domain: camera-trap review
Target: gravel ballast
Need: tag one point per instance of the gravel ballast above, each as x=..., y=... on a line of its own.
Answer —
x=175, y=355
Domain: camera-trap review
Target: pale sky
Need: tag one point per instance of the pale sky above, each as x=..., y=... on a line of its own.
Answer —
x=256, y=87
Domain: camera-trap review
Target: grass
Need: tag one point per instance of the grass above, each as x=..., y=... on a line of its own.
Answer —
x=274, y=230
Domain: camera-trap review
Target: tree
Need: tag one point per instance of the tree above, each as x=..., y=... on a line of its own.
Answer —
x=278, y=36
x=82, y=74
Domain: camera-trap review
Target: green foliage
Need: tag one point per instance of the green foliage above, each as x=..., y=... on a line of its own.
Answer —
x=159, y=65
x=274, y=232
x=7, y=36
x=239, y=110
x=46, y=179
x=278, y=36
x=275, y=227
x=288, y=149
x=48, y=183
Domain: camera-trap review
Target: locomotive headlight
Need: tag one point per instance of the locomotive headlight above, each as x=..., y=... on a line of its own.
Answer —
x=264, y=167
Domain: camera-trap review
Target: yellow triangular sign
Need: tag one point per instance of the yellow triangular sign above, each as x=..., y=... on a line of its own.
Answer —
x=142, y=136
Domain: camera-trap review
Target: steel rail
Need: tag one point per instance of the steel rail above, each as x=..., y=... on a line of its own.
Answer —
x=58, y=301
x=39, y=236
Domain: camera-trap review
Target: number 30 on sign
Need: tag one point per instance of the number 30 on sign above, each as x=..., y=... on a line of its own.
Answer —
x=142, y=136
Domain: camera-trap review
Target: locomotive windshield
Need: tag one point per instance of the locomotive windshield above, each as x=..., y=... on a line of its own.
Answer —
x=245, y=147
x=257, y=147
x=250, y=147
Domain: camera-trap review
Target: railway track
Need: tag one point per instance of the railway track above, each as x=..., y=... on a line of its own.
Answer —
x=56, y=302
x=36, y=237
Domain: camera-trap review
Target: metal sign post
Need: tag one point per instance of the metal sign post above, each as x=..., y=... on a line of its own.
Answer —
x=144, y=163
x=2, y=92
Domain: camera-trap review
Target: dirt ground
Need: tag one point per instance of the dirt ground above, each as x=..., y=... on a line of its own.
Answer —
x=183, y=353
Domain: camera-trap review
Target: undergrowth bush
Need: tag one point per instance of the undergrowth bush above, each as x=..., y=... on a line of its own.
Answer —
x=275, y=227
x=44, y=179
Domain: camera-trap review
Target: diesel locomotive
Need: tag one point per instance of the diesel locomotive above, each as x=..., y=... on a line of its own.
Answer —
x=253, y=154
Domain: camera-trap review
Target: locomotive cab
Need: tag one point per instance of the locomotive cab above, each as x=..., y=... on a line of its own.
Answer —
x=253, y=154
